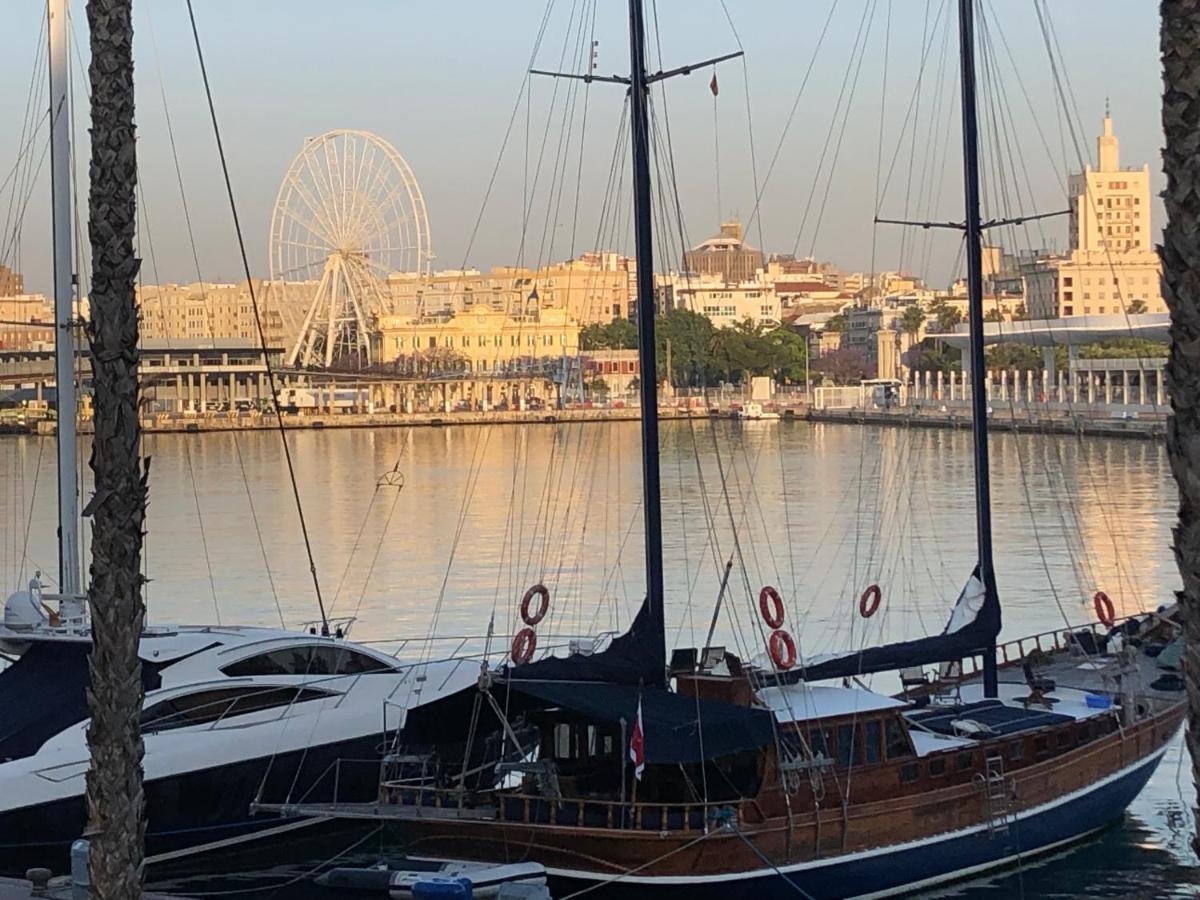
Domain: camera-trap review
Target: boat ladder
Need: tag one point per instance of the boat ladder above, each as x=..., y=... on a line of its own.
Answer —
x=997, y=796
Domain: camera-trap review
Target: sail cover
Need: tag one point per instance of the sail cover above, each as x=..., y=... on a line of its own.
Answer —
x=973, y=626
x=677, y=728
x=628, y=659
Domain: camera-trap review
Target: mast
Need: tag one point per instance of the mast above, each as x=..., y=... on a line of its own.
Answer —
x=974, y=230
x=64, y=295
x=648, y=376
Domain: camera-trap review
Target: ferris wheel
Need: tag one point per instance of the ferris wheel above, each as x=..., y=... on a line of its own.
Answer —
x=348, y=214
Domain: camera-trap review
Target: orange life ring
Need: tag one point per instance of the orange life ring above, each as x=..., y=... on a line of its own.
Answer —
x=523, y=646
x=538, y=590
x=869, y=602
x=771, y=606
x=782, y=648
x=1104, y=609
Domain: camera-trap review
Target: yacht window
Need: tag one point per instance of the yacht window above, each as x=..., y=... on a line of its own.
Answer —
x=211, y=705
x=897, y=740
x=937, y=766
x=311, y=659
x=1016, y=750
x=965, y=761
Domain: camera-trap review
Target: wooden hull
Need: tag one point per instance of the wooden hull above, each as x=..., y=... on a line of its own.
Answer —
x=866, y=849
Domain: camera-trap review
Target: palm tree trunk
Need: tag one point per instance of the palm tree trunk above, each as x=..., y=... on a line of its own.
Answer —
x=1180, y=252
x=116, y=823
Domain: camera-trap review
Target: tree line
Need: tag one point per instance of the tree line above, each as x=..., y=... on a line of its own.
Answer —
x=701, y=355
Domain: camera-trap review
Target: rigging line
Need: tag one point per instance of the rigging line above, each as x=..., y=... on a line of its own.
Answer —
x=858, y=50
x=792, y=112
x=33, y=101
x=927, y=36
x=262, y=337
x=587, y=93
x=887, y=43
x=749, y=119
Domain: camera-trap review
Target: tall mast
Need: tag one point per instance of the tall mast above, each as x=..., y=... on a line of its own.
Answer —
x=64, y=295
x=979, y=429
x=648, y=380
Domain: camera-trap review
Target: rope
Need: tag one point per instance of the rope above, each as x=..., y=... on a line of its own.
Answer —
x=262, y=337
x=615, y=878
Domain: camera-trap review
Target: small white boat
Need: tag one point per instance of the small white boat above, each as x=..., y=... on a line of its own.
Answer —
x=486, y=880
x=755, y=411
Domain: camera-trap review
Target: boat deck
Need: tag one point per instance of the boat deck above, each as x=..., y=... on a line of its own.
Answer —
x=1075, y=685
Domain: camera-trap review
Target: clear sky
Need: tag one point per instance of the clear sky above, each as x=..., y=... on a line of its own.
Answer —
x=440, y=81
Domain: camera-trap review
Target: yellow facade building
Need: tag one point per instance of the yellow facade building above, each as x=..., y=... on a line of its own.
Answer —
x=1112, y=267
x=596, y=288
x=478, y=341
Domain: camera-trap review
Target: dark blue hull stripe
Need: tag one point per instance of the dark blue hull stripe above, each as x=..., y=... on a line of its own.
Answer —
x=898, y=869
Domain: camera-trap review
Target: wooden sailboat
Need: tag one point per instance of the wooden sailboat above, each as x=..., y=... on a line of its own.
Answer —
x=626, y=776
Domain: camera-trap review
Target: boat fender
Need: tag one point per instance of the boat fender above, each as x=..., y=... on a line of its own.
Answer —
x=1104, y=609
x=538, y=590
x=523, y=646
x=869, y=602
x=783, y=649
x=771, y=606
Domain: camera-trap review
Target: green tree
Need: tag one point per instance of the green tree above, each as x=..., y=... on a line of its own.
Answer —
x=789, y=352
x=993, y=315
x=621, y=334
x=933, y=355
x=837, y=324
x=1020, y=314
x=912, y=319
x=593, y=337
x=1136, y=306
x=947, y=317
x=691, y=338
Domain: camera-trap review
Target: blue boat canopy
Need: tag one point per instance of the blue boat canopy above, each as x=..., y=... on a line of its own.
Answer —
x=677, y=728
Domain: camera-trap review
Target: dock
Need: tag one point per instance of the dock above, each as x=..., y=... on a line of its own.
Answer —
x=60, y=889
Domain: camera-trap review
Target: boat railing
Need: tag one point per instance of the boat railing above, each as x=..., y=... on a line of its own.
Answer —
x=1059, y=639
x=534, y=809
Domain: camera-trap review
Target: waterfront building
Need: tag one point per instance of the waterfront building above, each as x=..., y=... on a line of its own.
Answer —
x=619, y=370
x=206, y=311
x=595, y=288
x=481, y=341
x=34, y=309
x=726, y=255
x=11, y=283
x=726, y=303
x=1111, y=266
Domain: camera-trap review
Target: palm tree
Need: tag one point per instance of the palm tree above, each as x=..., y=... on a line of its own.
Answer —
x=116, y=823
x=1180, y=251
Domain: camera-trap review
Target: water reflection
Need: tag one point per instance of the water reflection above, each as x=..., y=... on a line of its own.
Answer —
x=820, y=511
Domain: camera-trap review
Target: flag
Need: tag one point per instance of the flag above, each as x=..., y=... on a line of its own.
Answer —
x=637, y=745
x=712, y=85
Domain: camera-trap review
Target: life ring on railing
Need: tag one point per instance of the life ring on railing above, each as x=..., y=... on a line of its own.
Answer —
x=1104, y=609
x=771, y=606
x=869, y=602
x=523, y=646
x=538, y=590
x=782, y=649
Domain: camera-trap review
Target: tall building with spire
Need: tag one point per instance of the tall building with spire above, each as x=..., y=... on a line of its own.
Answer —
x=1111, y=266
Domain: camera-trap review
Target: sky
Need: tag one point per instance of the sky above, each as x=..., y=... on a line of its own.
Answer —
x=443, y=82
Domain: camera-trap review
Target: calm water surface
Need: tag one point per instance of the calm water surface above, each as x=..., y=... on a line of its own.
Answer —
x=820, y=511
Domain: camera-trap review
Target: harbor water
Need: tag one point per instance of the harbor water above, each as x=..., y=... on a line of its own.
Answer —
x=821, y=511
